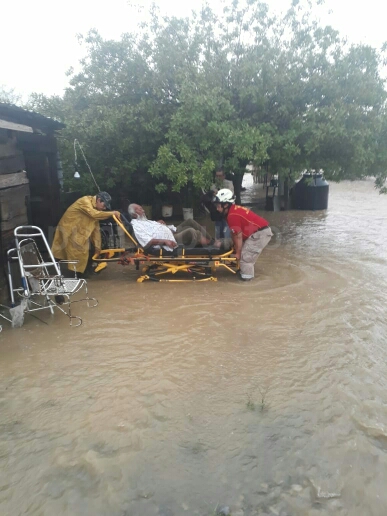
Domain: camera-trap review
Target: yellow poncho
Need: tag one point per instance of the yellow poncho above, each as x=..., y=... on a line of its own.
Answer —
x=79, y=224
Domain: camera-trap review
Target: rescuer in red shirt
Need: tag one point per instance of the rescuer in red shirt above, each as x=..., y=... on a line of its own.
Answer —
x=250, y=233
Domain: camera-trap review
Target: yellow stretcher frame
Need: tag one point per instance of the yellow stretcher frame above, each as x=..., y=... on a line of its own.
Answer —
x=199, y=267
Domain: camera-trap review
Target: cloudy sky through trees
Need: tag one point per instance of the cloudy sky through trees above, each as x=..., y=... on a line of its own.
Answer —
x=39, y=38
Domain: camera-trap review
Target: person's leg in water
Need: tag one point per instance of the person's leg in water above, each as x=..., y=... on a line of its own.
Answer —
x=251, y=250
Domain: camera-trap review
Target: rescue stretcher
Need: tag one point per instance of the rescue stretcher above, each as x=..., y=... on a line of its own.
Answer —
x=199, y=263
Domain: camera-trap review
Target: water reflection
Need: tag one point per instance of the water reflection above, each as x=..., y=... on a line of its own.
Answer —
x=154, y=405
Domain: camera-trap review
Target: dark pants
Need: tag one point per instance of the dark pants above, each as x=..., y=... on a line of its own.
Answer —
x=221, y=229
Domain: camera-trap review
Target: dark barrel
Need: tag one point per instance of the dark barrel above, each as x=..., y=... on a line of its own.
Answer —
x=310, y=193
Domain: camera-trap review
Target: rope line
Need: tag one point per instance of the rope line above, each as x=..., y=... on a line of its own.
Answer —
x=76, y=142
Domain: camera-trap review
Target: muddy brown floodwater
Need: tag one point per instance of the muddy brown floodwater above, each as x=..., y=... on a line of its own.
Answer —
x=267, y=397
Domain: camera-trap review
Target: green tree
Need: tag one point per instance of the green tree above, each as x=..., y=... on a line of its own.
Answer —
x=205, y=132
x=184, y=95
x=113, y=109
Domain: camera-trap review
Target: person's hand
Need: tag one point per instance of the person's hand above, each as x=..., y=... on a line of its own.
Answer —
x=97, y=252
x=237, y=256
x=117, y=214
x=170, y=243
x=161, y=222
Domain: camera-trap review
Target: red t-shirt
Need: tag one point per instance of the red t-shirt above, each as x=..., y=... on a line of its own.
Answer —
x=240, y=219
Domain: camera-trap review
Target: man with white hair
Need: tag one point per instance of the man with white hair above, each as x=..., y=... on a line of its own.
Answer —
x=150, y=233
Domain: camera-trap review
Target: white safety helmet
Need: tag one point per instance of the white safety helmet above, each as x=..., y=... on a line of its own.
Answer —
x=224, y=195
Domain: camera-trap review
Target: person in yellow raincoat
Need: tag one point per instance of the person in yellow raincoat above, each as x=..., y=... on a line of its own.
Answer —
x=79, y=226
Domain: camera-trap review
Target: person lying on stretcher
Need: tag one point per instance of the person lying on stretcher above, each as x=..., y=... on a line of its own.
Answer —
x=150, y=233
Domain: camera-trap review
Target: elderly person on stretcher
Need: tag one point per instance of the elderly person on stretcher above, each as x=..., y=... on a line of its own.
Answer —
x=150, y=233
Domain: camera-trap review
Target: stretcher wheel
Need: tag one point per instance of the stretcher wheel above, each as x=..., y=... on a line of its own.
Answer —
x=142, y=278
x=100, y=267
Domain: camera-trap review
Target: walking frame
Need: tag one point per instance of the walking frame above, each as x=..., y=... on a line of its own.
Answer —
x=42, y=285
x=199, y=263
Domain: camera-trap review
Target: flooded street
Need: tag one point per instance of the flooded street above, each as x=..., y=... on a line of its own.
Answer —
x=267, y=397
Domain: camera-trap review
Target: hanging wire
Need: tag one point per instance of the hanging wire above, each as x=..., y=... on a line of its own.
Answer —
x=76, y=142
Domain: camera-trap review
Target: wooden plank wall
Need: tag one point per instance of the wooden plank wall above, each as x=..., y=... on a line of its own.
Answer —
x=13, y=206
x=11, y=158
x=14, y=192
x=40, y=154
x=14, y=185
x=32, y=196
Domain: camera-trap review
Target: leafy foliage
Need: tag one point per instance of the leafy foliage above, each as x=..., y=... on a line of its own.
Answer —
x=183, y=96
x=205, y=128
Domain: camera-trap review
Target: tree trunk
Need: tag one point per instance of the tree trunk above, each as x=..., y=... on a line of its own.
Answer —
x=237, y=181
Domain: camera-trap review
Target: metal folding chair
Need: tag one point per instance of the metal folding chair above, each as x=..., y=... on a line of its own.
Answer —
x=41, y=286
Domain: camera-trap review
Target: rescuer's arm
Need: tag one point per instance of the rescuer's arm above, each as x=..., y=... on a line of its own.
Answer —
x=238, y=242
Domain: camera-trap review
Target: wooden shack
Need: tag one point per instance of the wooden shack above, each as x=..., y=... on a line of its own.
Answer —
x=29, y=182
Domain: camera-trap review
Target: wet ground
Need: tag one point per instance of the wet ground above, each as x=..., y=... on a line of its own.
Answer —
x=266, y=397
